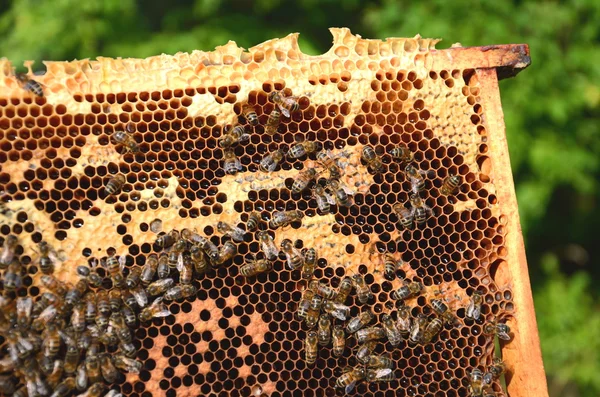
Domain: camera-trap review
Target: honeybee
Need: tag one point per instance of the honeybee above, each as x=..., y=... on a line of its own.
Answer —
x=89, y=303
x=287, y=105
x=127, y=364
x=127, y=140
x=255, y=267
x=402, y=153
x=323, y=198
x=450, y=184
x=101, y=320
x=494, y=371
x=405, y=216
x=231, y=163
x=443, y=311
x=350, y=378
x=473, y=310
x=54, y=376
x=250, y=114
x=156, y=309
x=295, y=260
x=420, y=210
x=304, y=304
x=253, y=220
x=271, y=160
x=433, y=328
x=160, y=286
x=373, y=161
x=237, y=134
x=363, y=292
x=312, y=316
x=324, y=330
x=476, y=383
x=273, y=122
x=46, y=262
x=78, y=317
x=378, y=362
x=201, y=264
x=380, y=375
x=163, y=267
x=284, y=218
x=54, y=285
x=337, y=310
x=391, y=265
x=128, y=298
x=24, y=308
x=64, y=388
x=186, y=270
x=128, y=349
x=114, y=184
x=268, y=245
x=339, y=340
x=29, y=84
x=90, y=275
x=311, y=348
x=129, y=315
x=175, y=256
x=344, y=290
x=76, y=293
x=332, y=164
x=501, y=330
x=236, y=233
x=95, y=390
x=418, y=329
x=341, y=193
x=210, y=249
x=310, y=263
x=92, y=366
x=81, y=377
x=19, y=348
x=140, y=295
x=71, y=356
x=304, y=147
x=168, y=239
x=360, y=321
x=415, y=176
x=393, y=333
x=149, y=269
x=227, y=251
x=134, y=277
x=13, y=276
x=408, y=290
x=370, y=333
x=322, y=289
x=52, y=340
x=303, y=179
x=8, y=251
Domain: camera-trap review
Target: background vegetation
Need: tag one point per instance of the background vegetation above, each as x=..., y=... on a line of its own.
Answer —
x=551, y=111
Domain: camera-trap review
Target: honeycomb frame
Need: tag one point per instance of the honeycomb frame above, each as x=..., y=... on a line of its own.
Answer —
x=355, y=91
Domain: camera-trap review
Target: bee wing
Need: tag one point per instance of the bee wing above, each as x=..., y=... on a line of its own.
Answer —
x=350, y=387
x=340, y=315
x=180, y=262
x=244, y=137
x=24, y=305
x=488, y=377
x=284, y=111
x=330, y=198
x=380, y=373
x=348, y=191
x=503, y=335
x=164, y=312
x=31, y=388
x=140, y=297
x=122, y=262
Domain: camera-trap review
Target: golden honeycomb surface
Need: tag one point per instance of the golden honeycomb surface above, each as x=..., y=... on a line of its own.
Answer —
x=237, y=336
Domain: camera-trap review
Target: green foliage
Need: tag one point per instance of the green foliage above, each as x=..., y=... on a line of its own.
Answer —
x=551, y=109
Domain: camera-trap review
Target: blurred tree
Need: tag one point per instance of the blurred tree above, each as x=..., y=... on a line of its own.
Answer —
x=551, y=109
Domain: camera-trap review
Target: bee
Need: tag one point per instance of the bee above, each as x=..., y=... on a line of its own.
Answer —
x=373, y=161
x=129, y=315
x=78, y=317
x=273, y=122
x=402, y=153
x=81, y=378
x=339, y=340
x=19, y=348
x=268, y=245
x=127, y=364
x=201, y=264
x=46, y=262
x=476, y=383
x=114, y=299
x=312, y=316
x=380, y=375
x=109, y=336
x=54, y=285
x=418, y=329
x=175, y=255
x=341, y=193
x=24, y=308
x=332, y=164
x=363, y=292
x=390, y=265
x=284, y=218
x=102, y=302
x=95, y=390
x=322, y=290
x=237, y=134
x=323, y=198
x=250, y=114
x=344, y=290
x=231, y=163
x=149, y=269
x=89, y=303
x=71, y=356
x=271, y=160
x=443, y=311
x=127, y=140
x=379, y=362
x=255, y=266
x=128, y=349
x=392, y=332
x=253, y=220
x=90, y=275
x=64, y=388
x=92, y=366
x=310, y=263
x=156, y=309
x=186, y=270
x=115, y=267
x=310, y=347
x=433, y=328
x=236, y=233
x=163, y=266
x=494, y=371
x=324, y=330
x=114, y=184
x=303, y=179
x=295, y=260
x=13, y=276
x=501, y=330
x=122, y=331
x=52, y=341
x=360, y=321
x=450, y=184
x=210, y=249
x=75, y=294
x=405, y=216
x=370, y=333
x=168, y=239
x=101, y=320
x=415, y=176
x=8, y=251
x=304, y=304
x=55, y=374
x=420, y=210
x=408, y=290
x=350, y=378
x=160, y=286
x=302, y=148
x=29, y=84
x=287, y=105
x=227, y=251
x=337, y=310
x=134, y=277
x=179, y=292
x=473, y=310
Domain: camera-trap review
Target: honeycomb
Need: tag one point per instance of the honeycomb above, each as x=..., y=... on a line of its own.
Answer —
x=240, y=336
